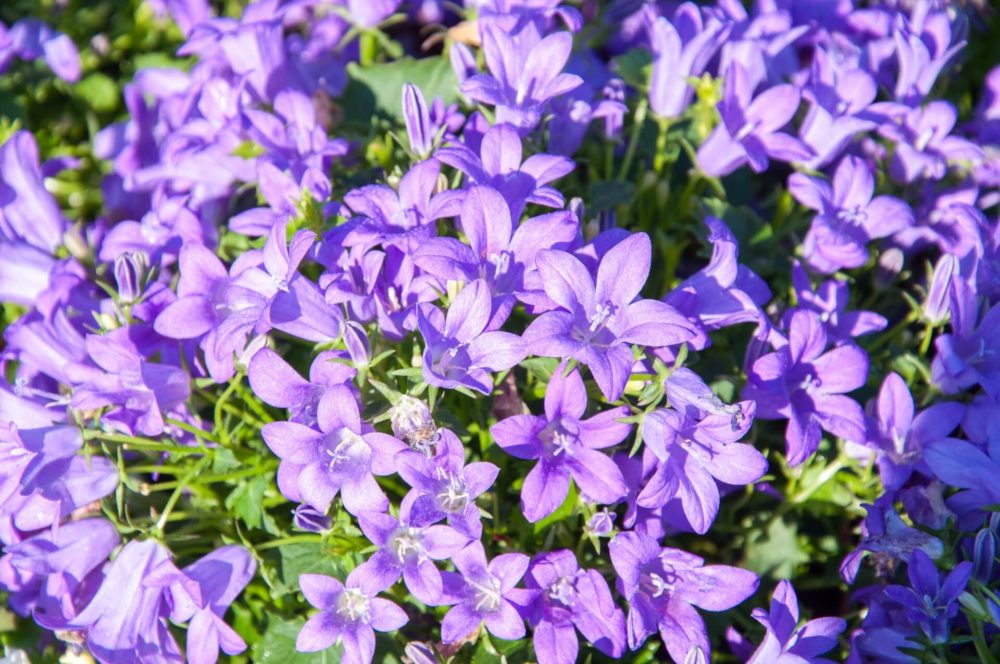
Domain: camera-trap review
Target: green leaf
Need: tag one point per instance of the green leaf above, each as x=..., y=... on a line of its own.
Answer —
x=609, y=194
x=99, y=92
x=245, y=500
x=293, y=560
x=223, y=459
x=541, y=367
x=278, y=646
x=378, y=89
x=634, y=67
x=776, y=552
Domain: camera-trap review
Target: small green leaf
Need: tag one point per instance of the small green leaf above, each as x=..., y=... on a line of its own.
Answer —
x=245, y=501
x=278, y=646
x=99, y=92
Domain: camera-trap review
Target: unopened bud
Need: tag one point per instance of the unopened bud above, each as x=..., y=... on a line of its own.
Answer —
x=412, y=422
x=130, y=275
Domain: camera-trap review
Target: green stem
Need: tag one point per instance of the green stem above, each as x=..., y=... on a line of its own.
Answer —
x=979, y=639
x=292, y=539
x=135, y=442
x=176, y=495
x=193, y=430
x=633, y=143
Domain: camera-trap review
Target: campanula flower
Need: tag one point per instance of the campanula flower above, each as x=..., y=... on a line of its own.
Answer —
x=785, y=642
x=481, y=592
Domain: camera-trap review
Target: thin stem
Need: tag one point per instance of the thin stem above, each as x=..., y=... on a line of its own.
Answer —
x=138, y=443
x=176, y=495
x=633, y=143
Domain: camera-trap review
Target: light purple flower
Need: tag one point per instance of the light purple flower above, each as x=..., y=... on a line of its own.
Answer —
x=749, y=131
x=482, y=592
x=830, y=299
x=347, y=614
x=340, y=457
x=848, y=215
x=126, y=619
x=524, y=74
x=458, y=351
x=558, y=597
x=663, y=586
x=500, y=165
x=696, y=443
x=925, y=144
x=597, y=320
x=787, y=643
x=968, y=355
x=28, y=212
x=565, y=446
x=802, y=383
x=443, y=486
x=279, y=385
x=408, y=551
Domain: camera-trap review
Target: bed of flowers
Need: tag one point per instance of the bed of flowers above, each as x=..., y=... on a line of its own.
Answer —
x=518, y=331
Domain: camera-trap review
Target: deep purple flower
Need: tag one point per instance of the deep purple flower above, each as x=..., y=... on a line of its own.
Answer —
x=598, y=320
x=565, y=446
x=749, y=131
x=785, y=642
x=696, y=442
x=558, y=597
x=443, y=486
x=899, y=437
x=970, y=353
x=496, y=251
x=482, y=592
x=499, y=164
x=340, y=457
x=524, y=74
x=961, y=464
x=348, y=614
x=663, y=586
x=408, y=551
x=931, y=603
x=848, y=216
x=126, y=619
x=888, y=540
x=806, y=385
x=724, y=292
x=458, y=351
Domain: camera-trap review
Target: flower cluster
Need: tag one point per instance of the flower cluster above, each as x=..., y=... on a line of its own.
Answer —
x=596, y=318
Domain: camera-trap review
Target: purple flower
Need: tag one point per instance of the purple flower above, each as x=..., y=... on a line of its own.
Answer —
x=402, y=219
x=458, y=351
x=54, y=574
x=968, y=355
x=348, y=614
x=663, y=586
x=28, y=212
x=929, y=602
x=200, y=594
x=565, y=446
x=682, y=49
x=723, y=293
x=784, y=640
x=749, y=131
x=408, y=551
x=802, y=383
x=961, y=464
x=830, y=300
x=559, y=596
x=421, y=132
x=443, y=486
x=848, y=216
x=482, y=592
x=126, y=619
x=924, y=144
x=524, y=74
x=696, y=444
x=30, y=39
x=499, y=164
x=889, y=540
x=900, y=437
x=340, y=457
x=279, y=385
x=496, y=251
x=597, y=320
x=138, y=391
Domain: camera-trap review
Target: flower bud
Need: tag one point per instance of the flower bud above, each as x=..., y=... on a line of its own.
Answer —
x=310, y=519
x=412, y=422
x=602, y=523
x=130, y=275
